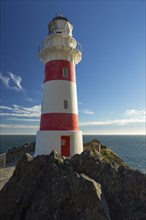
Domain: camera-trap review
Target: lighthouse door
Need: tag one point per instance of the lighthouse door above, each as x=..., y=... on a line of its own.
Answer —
x=65, y=146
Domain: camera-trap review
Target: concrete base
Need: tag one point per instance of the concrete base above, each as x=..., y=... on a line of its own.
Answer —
x=46, y=141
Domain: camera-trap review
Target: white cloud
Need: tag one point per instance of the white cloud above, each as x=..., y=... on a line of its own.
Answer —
x=135, y=113
x=5, y=80
x=119, y=122
x=17, y=80
x=22, y=114
x=133, y=116
x=22, y=119
x=20, y=111
x=12, y=81
x=29, y=99
x=86, y=111
x=5, y=107
x=14, y=126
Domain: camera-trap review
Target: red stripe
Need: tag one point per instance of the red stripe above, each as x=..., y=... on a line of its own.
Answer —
x=59, y=121
x=54, y=70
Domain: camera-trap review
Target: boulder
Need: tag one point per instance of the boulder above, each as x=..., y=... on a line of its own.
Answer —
x=124, y=188
x=47, y=188
x=91, y=185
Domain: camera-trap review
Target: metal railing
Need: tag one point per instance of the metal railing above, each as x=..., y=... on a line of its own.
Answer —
x=61, y=41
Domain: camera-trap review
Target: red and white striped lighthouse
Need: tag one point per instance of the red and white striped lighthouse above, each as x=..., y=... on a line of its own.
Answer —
x=59, y=125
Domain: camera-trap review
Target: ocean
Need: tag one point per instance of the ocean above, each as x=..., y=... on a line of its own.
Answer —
x=131, y=148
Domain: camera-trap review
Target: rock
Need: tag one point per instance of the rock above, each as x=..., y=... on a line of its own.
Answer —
x=124, y=188
x=29, y=157
x=46, y=188
x=104, y=153
x=92, y=185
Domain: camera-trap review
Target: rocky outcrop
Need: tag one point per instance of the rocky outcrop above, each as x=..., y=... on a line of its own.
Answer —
x=96, y=184
x=124, y=188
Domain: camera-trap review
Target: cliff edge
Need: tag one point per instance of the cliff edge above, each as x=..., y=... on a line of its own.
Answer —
x=96, y=184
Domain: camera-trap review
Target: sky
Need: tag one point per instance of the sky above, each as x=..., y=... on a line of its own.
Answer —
x=110, y=77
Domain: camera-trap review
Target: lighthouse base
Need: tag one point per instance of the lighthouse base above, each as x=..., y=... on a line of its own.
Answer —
x=66, y=143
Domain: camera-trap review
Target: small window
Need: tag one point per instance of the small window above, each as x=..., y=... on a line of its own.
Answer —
x=65, y=104
x=65, y=72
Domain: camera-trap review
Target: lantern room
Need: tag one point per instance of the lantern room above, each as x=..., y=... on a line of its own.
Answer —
x=60, y=25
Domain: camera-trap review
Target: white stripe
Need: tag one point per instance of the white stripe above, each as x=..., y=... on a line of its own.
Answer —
x=46, y=141
x=55, y=92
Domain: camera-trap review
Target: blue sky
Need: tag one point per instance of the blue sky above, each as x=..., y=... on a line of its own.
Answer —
x=110, y=77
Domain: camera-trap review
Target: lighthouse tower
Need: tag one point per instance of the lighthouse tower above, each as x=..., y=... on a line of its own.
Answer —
x=59, y=125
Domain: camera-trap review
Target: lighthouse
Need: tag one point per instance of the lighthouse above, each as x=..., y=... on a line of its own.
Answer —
x=59, y=123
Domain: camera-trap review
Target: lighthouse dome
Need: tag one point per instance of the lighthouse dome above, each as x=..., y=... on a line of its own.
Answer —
x=60, y=25
x=60, y=17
